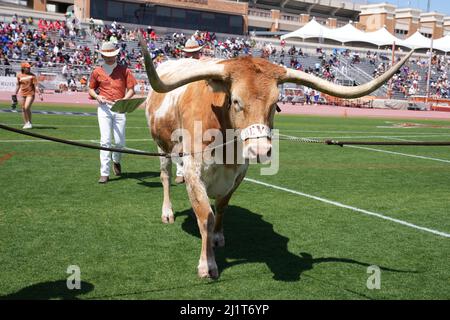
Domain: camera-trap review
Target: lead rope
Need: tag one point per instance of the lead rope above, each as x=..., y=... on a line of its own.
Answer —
x=112, y=149
x=181, y=154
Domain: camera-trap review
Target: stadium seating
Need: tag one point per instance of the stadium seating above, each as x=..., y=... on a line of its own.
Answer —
x=345, y=69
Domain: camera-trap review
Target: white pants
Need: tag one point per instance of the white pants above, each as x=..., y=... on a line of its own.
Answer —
x=110, y=121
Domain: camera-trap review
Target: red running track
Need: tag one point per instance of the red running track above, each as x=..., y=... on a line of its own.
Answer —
x=330, y=111
x=333, y=111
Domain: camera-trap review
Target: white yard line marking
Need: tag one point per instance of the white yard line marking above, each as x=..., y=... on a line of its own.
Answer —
x=338, y=204
x=398, y=139
x=366, y=132
x=367, y=137
x=391, y=152
x=400, y=154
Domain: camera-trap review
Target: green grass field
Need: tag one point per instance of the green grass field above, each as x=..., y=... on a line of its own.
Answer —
x=279, y=245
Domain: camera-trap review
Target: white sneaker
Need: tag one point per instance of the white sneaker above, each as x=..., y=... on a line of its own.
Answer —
x=28, y=125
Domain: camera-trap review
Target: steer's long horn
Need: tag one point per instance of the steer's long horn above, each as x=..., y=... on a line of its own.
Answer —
x=324, y=86
x=198, y=71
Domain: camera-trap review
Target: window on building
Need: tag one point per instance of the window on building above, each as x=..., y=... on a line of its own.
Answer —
x=115, y=10
x=401, y=33
x=98, y=8
x=163, y=11
x=166, y=16
x=24, y=3
x=193, y=19
x=131, y=12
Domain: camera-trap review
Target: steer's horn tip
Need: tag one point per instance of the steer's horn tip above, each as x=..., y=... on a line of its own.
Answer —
x=141, y=39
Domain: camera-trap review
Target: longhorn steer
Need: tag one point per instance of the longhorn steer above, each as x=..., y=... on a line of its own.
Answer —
x=238, y=94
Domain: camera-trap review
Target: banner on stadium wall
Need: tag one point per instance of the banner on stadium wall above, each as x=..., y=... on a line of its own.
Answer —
x=8, y=84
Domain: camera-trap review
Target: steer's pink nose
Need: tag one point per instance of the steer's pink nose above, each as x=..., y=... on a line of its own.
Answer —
x=258, y=150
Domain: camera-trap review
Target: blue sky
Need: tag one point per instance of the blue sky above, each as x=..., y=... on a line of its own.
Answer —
x=442, y=6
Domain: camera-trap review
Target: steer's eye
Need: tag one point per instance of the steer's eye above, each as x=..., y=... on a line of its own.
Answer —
x=237, y=104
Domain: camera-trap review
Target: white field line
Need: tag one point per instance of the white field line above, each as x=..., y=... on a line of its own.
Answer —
x=393, y=137
x=400, y=154
x=366, y=132
x=398, y=139
x=392, y=152
x=341, y=205
x=284, y=130
x=369, y=137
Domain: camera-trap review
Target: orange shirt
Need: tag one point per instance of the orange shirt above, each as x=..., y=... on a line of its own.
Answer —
x=112, y=87
x=28, y=83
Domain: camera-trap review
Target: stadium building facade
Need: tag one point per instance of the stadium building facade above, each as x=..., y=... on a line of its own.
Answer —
x=242, y=17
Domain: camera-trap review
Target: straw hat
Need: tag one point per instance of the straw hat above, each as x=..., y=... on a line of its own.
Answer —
x=108, y=50
x=25, y=65
x=192, y=46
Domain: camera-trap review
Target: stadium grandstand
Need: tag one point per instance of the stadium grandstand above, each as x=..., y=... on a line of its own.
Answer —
x=59, y=38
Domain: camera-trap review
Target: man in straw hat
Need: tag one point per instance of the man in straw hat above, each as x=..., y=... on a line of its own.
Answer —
x=194, y=51
x=109, y=83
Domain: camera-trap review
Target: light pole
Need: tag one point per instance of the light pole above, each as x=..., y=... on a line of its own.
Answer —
x=431, y=59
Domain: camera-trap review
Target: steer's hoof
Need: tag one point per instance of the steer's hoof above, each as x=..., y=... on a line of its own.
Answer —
x=167, y=216
x=208, y=273
x=219, y=240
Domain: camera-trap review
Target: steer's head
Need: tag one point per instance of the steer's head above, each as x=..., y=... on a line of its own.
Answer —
x=252, y=85
x=253, y=94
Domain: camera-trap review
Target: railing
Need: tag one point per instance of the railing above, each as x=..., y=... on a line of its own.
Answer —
x=290, y=17
x=259, y=13
x=361, y=76
x=348, y=80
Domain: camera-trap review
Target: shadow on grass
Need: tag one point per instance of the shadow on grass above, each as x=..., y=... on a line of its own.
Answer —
x=49, y=290
x=250, y=239
x=140, y=177
x=43, y=127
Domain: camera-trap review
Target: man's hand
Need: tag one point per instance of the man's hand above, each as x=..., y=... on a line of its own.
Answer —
x=102, y=99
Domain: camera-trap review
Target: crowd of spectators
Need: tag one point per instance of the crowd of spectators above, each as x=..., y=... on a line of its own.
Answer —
x=44, y=44
x=412, y=78
x=49, y=44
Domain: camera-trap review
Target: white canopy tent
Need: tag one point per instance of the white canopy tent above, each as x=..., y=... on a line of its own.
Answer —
x=416, y=41
x=442, y=44
x=381, y=37
x=312, y=29
x=347, y=33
